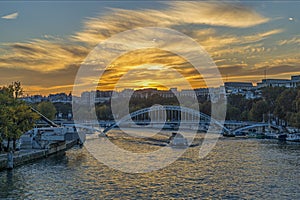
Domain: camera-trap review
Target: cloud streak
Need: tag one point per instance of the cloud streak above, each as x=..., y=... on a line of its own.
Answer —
x=294, y=40
x=176, y=14
x=42, y=55
x=11, y=16
x=239, y=54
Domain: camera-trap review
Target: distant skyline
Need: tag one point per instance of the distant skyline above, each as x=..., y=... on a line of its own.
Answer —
x=42, y=44
x=277, y=82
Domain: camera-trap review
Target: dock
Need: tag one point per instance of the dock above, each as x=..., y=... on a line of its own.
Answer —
x=25, y=156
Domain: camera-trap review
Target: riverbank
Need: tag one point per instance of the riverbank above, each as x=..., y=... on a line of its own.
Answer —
x=30, y=155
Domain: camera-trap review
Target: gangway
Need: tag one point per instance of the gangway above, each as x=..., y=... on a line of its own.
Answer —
x=48, y=121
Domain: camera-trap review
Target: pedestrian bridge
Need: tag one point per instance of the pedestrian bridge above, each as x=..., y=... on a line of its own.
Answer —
x=170, y=116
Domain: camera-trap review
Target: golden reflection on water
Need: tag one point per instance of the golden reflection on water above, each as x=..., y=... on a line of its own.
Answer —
x=138, y=144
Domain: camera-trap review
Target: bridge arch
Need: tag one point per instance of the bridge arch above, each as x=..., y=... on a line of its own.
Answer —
x=252, y=126
x=180, y=109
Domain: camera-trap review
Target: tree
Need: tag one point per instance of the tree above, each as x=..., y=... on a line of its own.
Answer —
x=259, y=108
x=16, y=89
x=233, y=113
x=63, y=108
x=103, y=112
x=23, y=120
x=245, y=115
x=6, y=125
x=294, y=116
x=270, y=94
x=238, y=107
x=295, y=120
x=284, y=103
x=47, y=109
x=5, y=122
x=15, y=116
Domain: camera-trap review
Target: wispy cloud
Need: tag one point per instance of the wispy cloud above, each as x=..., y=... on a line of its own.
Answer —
x=294, y=40
x=11, y=16
x=239, y=54
x=177, y=14
x=39, y=82
x=42, y=55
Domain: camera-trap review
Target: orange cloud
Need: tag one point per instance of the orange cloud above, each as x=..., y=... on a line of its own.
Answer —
x=50, y=65
x=42, y=55
x=177, y=14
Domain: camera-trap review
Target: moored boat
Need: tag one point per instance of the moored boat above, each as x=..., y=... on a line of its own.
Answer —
x=293, y=137
x=271, y=135
x=282, y=136
x=178, y=140
x=256, y=135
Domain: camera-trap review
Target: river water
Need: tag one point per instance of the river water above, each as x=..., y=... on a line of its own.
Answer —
x=234, y=169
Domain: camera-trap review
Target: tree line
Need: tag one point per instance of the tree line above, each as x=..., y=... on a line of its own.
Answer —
x=278, y=104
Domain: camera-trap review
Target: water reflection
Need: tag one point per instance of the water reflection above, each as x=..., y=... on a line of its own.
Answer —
x=235, y=169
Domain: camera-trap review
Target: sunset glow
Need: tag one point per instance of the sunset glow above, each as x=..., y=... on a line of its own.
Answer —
x=244, y=39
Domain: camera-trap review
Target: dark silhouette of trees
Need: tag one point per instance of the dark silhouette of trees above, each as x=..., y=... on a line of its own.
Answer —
x=278, y=104
x=258, y=110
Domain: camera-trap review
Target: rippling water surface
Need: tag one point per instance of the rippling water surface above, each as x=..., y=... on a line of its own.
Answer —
x=235, y=169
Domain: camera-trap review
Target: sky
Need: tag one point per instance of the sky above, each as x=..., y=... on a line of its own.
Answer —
x=43, y=44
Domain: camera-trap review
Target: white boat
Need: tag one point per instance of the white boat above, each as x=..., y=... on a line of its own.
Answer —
x=178, y=140
x=271, y=135
x=293, y=137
